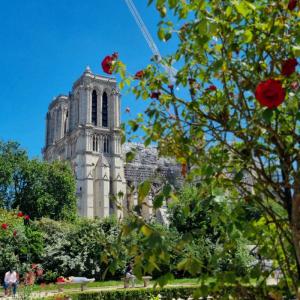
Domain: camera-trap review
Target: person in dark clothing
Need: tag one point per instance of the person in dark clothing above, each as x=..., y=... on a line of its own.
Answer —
x=129, y=274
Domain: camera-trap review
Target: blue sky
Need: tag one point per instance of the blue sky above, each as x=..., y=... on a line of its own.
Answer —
x=45, y=46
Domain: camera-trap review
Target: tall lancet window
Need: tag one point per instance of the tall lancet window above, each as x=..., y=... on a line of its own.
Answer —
x=106, y=144
x=94, y=107
x=104, y=110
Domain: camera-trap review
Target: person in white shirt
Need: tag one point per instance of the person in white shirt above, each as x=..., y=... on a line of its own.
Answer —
x=10, y=281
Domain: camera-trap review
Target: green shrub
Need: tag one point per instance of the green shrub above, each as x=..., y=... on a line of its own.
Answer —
x=90, y=248
x=18, y=242
x=169, y=293
x=134, y=294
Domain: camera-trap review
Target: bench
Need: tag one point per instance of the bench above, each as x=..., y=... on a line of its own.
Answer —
x=146, y=280
x=126, y=281
x=60, y=285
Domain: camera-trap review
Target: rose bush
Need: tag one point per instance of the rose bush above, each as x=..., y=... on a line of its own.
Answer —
x=244, y=134
x=19, y=245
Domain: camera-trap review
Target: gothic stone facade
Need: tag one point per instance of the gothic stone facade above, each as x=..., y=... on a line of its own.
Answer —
x=84, y=128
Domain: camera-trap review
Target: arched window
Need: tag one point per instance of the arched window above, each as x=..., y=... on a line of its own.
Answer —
x=66, y=122
x=94, y=107
x=104, y=110
x=95, y=143
x=77, y=108
x=106, y=144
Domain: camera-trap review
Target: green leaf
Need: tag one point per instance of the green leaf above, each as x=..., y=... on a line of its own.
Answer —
x=158, y=201
x=248, y=36
x=250, y=5
x=167, y=190
x=172, y=3
x=228, y=11
x=143, y=190
x=163, y=11
x=163, y=280
x=267, y=115
x=296, y=51
x=147, y=142
x=202, y=27
x=182, y=264
x=133, y=124
x=161, y=34
x=213, y=27
x=168, y=35
x=130, y=156
x=127, y=81
x=239, y=176
x=242, y=8
x=146, y=230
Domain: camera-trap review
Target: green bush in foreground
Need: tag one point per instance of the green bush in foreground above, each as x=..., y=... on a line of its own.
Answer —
x=167, y=293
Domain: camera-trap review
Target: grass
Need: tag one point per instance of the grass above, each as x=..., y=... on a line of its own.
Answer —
x=104, y=284
x=184, y=281
x=53, y=286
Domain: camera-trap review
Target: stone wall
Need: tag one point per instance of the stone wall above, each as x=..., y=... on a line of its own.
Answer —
x=147, y=165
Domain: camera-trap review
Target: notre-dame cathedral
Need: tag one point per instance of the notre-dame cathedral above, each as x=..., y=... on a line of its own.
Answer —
x=84, y=128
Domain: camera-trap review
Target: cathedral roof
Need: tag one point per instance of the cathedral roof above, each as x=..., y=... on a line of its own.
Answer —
x=60, y=98
x=88, y=75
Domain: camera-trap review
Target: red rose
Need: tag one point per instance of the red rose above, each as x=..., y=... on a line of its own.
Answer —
x=139, y=75
x=292, y=4
x=107, y=64
x=20, y=214
x=33, y=266
x=212, y=88
x=289, y=66
x=155, y=95
x=108, y=61
x=39, y=272
x=15, y=233
x=270, y=93
x=4, y=226
x=27, y=217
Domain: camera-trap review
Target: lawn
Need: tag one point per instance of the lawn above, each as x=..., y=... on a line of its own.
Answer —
x=104, y=284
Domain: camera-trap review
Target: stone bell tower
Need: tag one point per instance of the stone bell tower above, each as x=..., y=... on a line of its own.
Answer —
x=84, y=128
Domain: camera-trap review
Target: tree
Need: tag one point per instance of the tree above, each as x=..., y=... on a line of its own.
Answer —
x=10, y=157
x=37, y=188
x=238, y=122
x=46, y=190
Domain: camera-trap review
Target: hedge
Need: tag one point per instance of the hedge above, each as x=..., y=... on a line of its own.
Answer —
x=133, y=294
x=167, y=293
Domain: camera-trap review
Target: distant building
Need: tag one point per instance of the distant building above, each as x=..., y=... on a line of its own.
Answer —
x=84, y=128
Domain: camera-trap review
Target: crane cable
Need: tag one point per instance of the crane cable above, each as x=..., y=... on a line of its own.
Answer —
x=169, y=69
